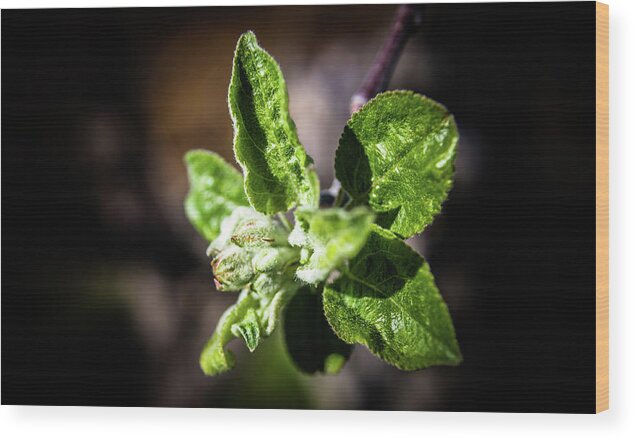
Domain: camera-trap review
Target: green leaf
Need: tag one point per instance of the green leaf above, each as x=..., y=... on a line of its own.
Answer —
x=275, y=291
x=311, y=343
x=216, y=189
x=396, y=154
x=387, y=300
x=248, y=329
x=215, y=358
x=331, y=237
x=278, y=172
x=254, y=316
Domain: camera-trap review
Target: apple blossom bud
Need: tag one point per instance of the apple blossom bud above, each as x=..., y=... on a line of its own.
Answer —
x=233, y=268
x=259, y=232
x=275, y=258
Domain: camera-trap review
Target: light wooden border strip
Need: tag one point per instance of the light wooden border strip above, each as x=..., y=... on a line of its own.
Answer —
x=602, y=207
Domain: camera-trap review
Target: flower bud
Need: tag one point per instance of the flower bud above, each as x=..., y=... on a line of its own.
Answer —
x=228, y=227
x=233, y=268
x=275, y=258
x=259, y=232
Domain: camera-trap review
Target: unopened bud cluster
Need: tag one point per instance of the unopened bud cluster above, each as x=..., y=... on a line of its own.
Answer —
x=250, y=246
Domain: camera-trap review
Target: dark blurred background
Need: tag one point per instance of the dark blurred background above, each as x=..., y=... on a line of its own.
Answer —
x=106, y=291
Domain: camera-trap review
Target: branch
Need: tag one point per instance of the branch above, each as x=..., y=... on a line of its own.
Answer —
x=405, y=23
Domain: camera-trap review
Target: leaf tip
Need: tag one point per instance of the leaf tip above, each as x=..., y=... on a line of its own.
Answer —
x=455, y=356
x=190, y=157
x=334, y=363
x=213, y=364
x=247, y=37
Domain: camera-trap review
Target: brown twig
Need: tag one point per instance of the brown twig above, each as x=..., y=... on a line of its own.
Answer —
x=405, y=23
x=406, y=20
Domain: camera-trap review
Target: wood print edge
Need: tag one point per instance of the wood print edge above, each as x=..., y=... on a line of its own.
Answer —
x=602, y=207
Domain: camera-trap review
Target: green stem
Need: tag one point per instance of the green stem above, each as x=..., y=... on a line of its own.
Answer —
x=339, y=198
